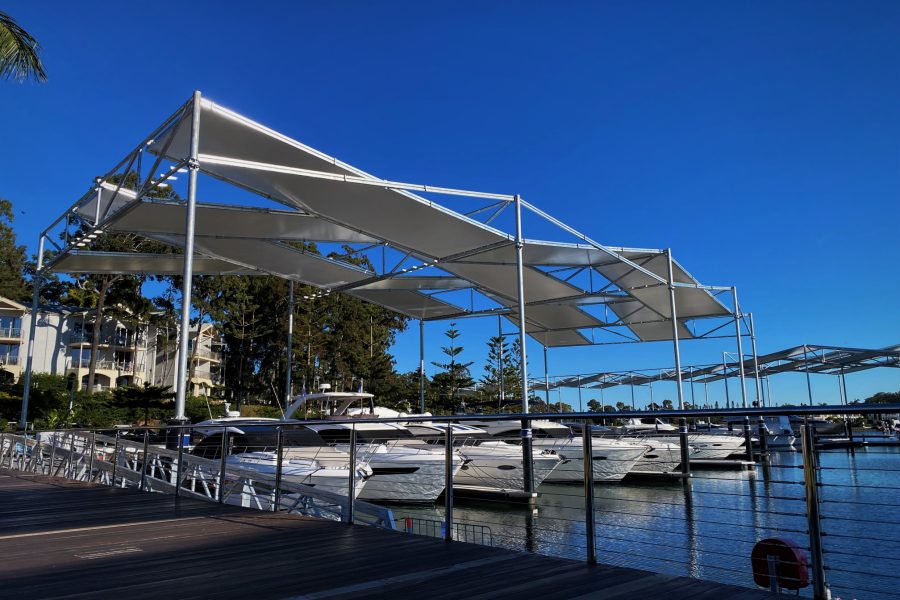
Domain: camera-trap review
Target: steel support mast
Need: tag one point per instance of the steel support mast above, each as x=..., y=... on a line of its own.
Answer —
x=527, y=458
x=190, y=219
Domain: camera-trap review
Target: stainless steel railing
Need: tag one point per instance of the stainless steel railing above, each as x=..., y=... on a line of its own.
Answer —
x=697, y=517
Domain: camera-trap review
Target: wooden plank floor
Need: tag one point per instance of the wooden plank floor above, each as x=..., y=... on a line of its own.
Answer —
x=62, y=539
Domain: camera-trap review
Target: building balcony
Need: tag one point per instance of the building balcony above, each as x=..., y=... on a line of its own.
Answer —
x=11, y=333
x=207, y=354
x=10, y=361
x=120, y=341
x=107, y=365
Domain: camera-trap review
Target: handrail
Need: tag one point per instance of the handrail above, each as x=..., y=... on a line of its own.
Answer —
x=852, y=409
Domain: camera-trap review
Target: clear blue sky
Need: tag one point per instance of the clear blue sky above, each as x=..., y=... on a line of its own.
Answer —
x=759, y=140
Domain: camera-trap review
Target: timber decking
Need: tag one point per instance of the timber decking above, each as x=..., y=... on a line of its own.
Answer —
x=61, y=539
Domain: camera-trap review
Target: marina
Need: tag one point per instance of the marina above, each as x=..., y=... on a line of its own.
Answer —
x=402, y=308
x=701, y=525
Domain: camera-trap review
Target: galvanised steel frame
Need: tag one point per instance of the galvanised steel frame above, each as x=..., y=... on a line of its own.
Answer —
x=809, y=359
x=92, y=226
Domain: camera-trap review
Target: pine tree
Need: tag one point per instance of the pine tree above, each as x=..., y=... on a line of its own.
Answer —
x=511, y=359
x=12, y=257
x=455, y=375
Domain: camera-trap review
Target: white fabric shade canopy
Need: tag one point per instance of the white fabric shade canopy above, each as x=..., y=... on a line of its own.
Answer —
x=324, y=200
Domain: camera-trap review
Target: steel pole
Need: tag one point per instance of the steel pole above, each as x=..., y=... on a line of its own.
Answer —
x=546, y=380
x=290, y=347
x=810, y=478
x=740, y=346
x=224, y=455
x=421, y=366
x=762, y=431
x=808, y=380
x=580, y=403
x=32, y=329
x=115, y=465
x=500, y=373
x=190, y=218
x=587, y=457
x=144, y=453
x=80, y=351
x=725, y=379
x=844, y=385
x=675, y=347
x=527, y=458
x=847, y=423
x=180, y=433
x=759, y=395
x=351, y=487
x=748, y=439
x=97, y=208
x=684, y=447
x=90, y=472
x=279, y=449
x=691, y=377
x=448, y=483
x=841, y=400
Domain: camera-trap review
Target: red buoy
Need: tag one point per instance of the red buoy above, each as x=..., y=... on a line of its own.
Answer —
x=791, y=565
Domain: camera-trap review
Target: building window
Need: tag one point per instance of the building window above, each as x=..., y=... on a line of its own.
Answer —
x=10, y=326
x=9, y=354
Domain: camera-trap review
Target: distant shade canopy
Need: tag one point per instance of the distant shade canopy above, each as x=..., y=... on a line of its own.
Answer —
x=824, y=360
x=323, y=200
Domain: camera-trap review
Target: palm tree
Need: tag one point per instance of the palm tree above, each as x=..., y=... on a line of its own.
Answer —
x=18, y=52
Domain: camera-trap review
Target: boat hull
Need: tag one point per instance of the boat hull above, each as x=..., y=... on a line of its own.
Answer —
x=610, y=462
x=497, y=465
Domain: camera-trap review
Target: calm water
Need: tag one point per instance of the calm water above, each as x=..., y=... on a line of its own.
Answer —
x=709, y=531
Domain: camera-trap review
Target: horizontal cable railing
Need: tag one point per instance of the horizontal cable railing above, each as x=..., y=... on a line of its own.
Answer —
x=676, y=502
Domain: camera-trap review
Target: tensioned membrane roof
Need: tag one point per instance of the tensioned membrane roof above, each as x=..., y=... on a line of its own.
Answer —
x=326, y=200
x=826, y=360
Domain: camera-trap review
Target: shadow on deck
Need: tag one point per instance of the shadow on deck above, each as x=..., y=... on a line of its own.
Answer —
x=76, y=540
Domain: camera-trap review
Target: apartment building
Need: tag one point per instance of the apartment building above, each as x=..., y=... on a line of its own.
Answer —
x=205, y=356
x=129, y=353
x=63, y=346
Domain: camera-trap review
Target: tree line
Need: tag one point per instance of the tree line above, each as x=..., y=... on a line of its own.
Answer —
x=337, y=339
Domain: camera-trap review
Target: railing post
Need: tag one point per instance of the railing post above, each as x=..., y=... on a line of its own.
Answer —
x=223, y=449
x=180, y=433
x=69, y=465
x=144, y=458
x=279, y=450
x=448, y=483
x=810, y=477
x=351, y=484
x=762, y=432
x=684, y=443
x=748, y=439
x=588, y=459
x=115, y=458
x=90, y=472
x=50, y=469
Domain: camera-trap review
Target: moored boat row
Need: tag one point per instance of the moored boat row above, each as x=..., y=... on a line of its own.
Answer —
x=407, y=462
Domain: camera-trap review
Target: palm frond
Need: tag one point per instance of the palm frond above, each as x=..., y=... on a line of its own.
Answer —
x=18, y=52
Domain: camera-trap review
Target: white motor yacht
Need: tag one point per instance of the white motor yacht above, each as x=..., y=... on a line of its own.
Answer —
x=253, y=445
x=779, y=434
x=703, y=446
x=612, y=459
x=334, y=479
x=489, y=463
x=401, y=471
